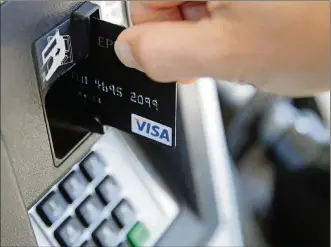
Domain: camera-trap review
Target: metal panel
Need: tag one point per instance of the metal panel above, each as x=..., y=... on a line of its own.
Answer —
x=22, y=121
x=15, y=226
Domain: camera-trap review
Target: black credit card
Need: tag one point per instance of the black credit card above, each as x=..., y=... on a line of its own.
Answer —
x=100, y=88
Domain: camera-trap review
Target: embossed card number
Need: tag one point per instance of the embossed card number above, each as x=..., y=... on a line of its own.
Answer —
x=115, y=92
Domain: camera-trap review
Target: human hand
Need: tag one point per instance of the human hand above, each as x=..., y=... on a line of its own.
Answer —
x=281, y=47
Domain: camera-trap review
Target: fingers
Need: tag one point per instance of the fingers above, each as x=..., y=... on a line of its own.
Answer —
x=154, y=11
x=275, y=46
x=155, y=49
x=171, y=51
x=161, y=4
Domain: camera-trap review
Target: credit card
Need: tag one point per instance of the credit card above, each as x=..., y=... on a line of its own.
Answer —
x=117, y=96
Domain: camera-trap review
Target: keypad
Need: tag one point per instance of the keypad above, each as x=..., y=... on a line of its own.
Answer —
x=87, y=209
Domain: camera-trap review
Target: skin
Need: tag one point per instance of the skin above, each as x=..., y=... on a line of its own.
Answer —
x=281, y=47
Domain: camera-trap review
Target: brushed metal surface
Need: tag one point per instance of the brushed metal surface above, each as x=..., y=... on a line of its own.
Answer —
x=23, y=126
x=15, y=225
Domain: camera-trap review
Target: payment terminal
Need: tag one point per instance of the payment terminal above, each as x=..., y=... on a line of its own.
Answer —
x=95, y=154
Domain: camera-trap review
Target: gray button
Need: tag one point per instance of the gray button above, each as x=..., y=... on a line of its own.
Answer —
x=73, y=186
x=124, y=214
x=51, y=208
x=88, y=243
x=109, y=191
x=68, y=233
x=124, y=244
x=92, y=166
x=107, y=233
x=90, y=210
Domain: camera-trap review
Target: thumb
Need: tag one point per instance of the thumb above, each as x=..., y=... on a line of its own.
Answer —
x=171, y=51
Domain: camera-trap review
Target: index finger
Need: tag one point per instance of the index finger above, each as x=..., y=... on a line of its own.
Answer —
x=154, y=11
x=162, y=4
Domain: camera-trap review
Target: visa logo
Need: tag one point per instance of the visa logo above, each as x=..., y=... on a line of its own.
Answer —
x=150, y=129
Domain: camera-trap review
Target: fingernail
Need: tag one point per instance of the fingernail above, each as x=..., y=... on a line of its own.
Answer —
x=194, y=12
x=125, y=55
x=189, y=81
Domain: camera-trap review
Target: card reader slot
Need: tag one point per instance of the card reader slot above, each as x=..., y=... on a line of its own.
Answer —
x=88, y=88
